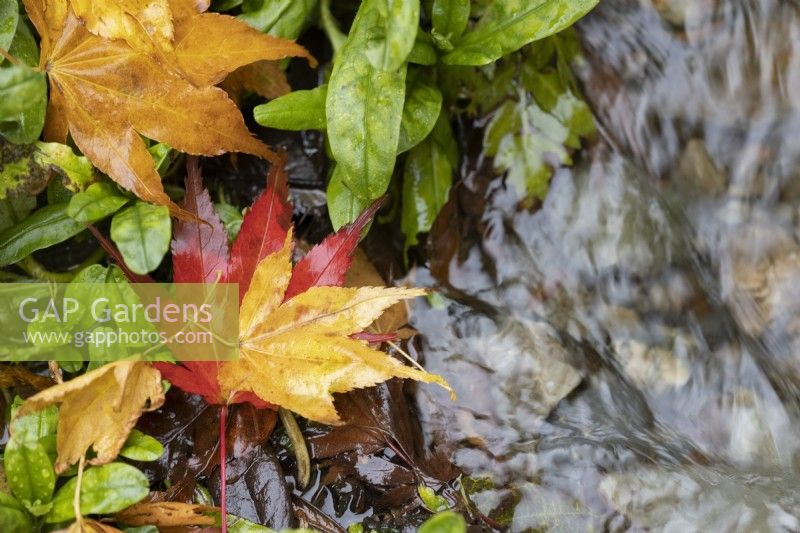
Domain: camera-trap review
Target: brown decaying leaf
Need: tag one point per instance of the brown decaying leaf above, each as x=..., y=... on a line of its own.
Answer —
x=168, y=514
x=108, y=92
x=297, y=353
x=12, y=375
x=99, y=409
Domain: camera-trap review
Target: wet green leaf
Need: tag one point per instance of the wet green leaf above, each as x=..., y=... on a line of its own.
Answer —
x=231, y=219
x=19, y=172
x=163, y=156
x=423, y=52
x=392, y=33
x=13, y=516
x=23, y=99
x=508, y=25
x=96, y=203
x=24, y=46
x=142, y=233
x=9, y=17
x=45, y=227
x=522, y=138
x=78, y=173
x=427, y=177
x=282, y=18
x=444, y=522
x=12, y=210
x=432, y=501
x=30, y=474
x=364, y=109
x=296, y=111
x=421, y=110
x=450, y=17
x=141, y=447
x=104, y=489
x=32, y=428
x=343, y=206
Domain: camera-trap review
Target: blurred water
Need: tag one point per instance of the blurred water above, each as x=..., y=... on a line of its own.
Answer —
x=626, y=355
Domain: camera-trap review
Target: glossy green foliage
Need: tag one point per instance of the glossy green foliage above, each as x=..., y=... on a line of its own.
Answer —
x=142, y=233
x=23, y=91
x=450, y=19
x=364, y=109
x=343, y=205
x=444, y=522
x=141, y=447
x=508, y=25
x=104, y=489
x=422, y=108
x=13, y=516
x=9, y=18
x=427, y=178
x=296, y=111
x=231, y=218
x=45, y=227
x=392, y=35
x=282, y=18
x=25, y=169
x=30, y=474
x=96, y=203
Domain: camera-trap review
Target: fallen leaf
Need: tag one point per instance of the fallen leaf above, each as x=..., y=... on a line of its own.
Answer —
x=168, y=514
x=141, y=24
x=98, y=409
x=265, y=78
x=297, y=353
x=12, y=375
x=106, y=92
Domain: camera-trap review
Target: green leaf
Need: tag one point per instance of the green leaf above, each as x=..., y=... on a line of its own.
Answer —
x=364, y=109
x=142, y=233
x=163, y=156
x=13, y=516
x=343, y=206
x=450, y=17
x=32, y=428
x=45, y=227
x=508, y=25
x=140, y=529
x=520, y=137
x=444, y=522
x=392, y=32
x=295, y=111
x=141, y=447
x=423, y=52
x=23, y=100
x=9, y=17
x=104, y=490
x=421, y=110
x=12, y=210
x=427, y=178
x=24, y=46
x=96, y=203
x=432, y=501
x=30, y=474
x=19, y=173
x=231, y=219
x=281, y=18
x=77, y=171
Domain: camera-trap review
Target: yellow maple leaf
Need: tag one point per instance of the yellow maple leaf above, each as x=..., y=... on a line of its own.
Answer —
x=106, y=92
x=99, y=409
x=297, y=353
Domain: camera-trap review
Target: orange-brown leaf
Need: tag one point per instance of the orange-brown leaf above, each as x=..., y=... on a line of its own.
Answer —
x=209, y=46
x=142, y=24
x=265, y=78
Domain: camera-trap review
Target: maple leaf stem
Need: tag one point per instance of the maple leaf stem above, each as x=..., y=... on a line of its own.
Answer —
x=76, y=499
x=13, y=60
x=298, y=445
x=223, y=456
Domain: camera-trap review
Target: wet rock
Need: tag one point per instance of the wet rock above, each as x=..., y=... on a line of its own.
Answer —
x=651, y=368
x=697, y=171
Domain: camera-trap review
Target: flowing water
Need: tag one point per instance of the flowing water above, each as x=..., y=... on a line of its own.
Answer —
x=626, y=354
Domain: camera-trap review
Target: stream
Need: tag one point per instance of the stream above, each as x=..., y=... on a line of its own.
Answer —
x=624, y=354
